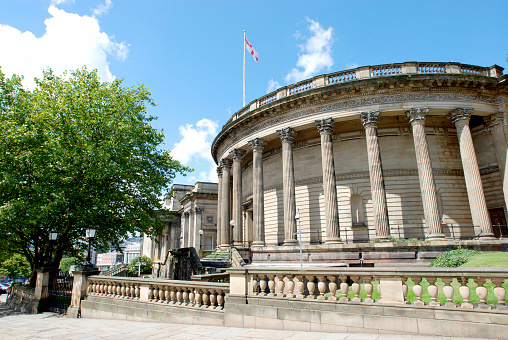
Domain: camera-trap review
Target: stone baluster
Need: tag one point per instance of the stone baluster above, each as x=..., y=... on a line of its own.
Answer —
x=220, y=300
x=370, y=121
x=344, y=288
x=482, y=293
x=213, y=299
x=325, y=128
x=448, y=292
x=179, y=295
x=291, y=286
x=369, y=289
x=128, y=291
x=185, y=297
x=155, y=293
x=206, y=299
x=255, y=284
x=280, y=286
x=321, y=287
x=287, y=135
x=418, y=290
x=199, y=296
x=219, y=207
x=300, y=286
x=416, y=117
x=118, y=290
x=356, y=288
x=433, y=291
x=311, y=287
x=192, y=297
x=167, y=294
x=332, y=286
x=465, y=293
x=136, y=290
x=258, y=223
x=225, y=204
x=271, y=284
x=499, y=292
x=172, y=295
x=123, y=290
x=237, y=156
x=150, y=294
x=474, y=187
x=162, y=294
x=262, y=285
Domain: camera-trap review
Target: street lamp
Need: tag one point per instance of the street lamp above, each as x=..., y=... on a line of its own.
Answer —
x=90, y=235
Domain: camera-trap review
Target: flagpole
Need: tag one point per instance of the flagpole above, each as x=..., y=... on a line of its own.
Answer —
x=243, y=68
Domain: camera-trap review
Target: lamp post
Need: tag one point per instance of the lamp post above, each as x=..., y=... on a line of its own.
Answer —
x=299, y=233
x=53, y=235
x=90, y=235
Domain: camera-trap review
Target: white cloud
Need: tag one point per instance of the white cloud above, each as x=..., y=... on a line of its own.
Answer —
x=70, y=41
x=194, y=149
x=316, y=53
x=59, y=2
x=352, y=65
x=272, y=85
x=102, y=8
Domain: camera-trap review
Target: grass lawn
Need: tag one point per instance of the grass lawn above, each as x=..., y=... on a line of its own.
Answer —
x=488, y=260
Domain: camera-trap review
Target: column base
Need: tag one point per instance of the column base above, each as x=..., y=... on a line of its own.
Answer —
x=382, y=239
x=225, y=246
x=436, y=237
x=290, y=243
x=333, y=240
x=258, y=244
x=487, y=236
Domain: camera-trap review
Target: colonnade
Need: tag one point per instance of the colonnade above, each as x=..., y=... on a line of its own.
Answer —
x=191, y=224
x=416, y=117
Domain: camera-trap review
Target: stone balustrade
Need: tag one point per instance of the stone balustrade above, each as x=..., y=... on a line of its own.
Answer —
x=367, y=72
x=378, y=286
x=189, y=294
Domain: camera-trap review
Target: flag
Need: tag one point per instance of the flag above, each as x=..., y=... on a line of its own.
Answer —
x=251, y=50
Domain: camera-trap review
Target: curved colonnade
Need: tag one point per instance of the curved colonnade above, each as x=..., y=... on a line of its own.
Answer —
x=404, y=150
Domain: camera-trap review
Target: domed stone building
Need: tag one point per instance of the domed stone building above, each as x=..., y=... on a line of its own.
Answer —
x=409, y=150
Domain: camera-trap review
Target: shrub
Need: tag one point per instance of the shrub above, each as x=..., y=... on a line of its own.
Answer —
x=453, y=258
x=146, y=265
x=66, y=263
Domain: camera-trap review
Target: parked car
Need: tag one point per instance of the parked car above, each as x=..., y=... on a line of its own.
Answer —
x=3, y=288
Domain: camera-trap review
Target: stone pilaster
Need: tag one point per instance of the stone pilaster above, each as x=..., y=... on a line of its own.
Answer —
x=325, y=128
x=219, y=206
x=288, y=185
x=460, y=117
x=198, y=218
x=258, y=202
x=370, y=121
x=185, y=234
x=498, y=130
x=225, y=204
x=237, y=156
x=416, y=117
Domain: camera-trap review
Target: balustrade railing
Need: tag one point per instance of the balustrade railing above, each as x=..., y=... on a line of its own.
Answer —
x=369, y=72
x=192, y=294
x=467, y=288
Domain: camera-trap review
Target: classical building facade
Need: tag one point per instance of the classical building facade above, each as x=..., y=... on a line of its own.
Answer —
x=401, y=150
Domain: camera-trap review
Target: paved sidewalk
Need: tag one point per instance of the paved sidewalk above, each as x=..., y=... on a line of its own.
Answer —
x=54, y=326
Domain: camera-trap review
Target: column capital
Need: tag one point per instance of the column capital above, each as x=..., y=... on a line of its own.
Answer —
x=237, y=154
x=256, y=144
x=197, y=210
x=219, y=171
x=416, y=115
x=494, y=120
x=460, y=114
x=370, y=118
x=325, y=125
x=225, y=164
x=286, y=134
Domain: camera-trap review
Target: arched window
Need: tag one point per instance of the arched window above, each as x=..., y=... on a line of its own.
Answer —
x=357, y=210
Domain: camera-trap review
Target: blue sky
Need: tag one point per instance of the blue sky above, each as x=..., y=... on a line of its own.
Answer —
x=190, y=53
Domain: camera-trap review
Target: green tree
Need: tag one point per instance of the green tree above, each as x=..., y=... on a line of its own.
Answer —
x=66, y=263
x=16, y=266
x=146, y=265
x=76, y=153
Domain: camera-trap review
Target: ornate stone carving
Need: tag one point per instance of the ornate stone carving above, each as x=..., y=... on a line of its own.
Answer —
x=256, y=144
x=417, y=114
x=286, y=134
x=370, y=118
x=461, y=113
x=225, y=164
x=237, y=154
x=219, y=171
x=494, y=119
x=197, y=210
x=325, y=125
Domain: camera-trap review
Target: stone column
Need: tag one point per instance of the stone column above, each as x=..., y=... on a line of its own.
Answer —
x=225, y=204
x=219, y=207
x=198, y=212
x=416, y=117
x=258, y=202
x=479, y=213
x=325, y=128
x=288, y=185
x=370, y=121
x=497, y=128
x=237, y=156
x=190, y=228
